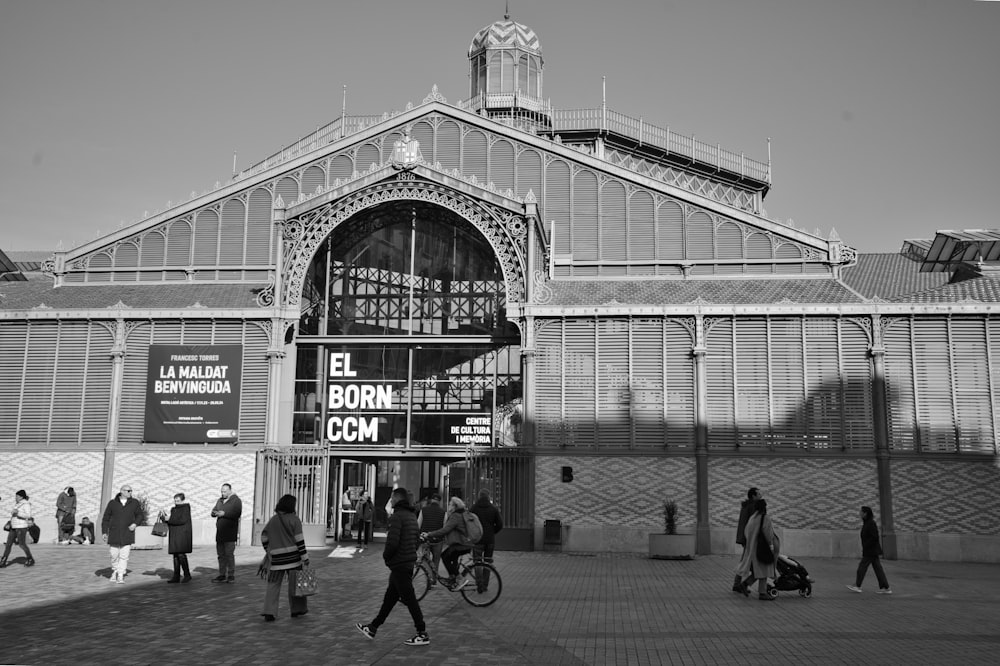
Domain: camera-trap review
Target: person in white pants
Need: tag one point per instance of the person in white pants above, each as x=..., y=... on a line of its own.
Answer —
x=118, y=529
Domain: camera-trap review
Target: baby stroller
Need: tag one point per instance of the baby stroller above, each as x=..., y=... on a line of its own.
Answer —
x=791, y=576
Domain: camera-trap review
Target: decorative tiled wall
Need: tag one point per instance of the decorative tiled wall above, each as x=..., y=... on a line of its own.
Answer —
x=198, y=475
x=803, y=494
x=43, y=475
x=946, y=497
x=615, y=491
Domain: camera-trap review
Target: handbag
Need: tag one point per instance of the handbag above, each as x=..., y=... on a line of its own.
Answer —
x=160, y=528
x=6, y=526
x=305, y=582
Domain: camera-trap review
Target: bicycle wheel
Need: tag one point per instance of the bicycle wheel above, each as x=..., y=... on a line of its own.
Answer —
x=421, y=581
x=484, y=584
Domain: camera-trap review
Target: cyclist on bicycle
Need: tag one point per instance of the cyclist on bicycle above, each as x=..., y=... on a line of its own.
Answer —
x=454, y=537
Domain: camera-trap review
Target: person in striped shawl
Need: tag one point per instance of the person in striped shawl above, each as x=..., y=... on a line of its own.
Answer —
x=286, y=553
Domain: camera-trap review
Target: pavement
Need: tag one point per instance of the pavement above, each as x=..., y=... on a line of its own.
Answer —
x=555, y=609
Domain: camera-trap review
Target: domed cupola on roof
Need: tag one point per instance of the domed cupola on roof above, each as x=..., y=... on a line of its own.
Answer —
x=505, y=64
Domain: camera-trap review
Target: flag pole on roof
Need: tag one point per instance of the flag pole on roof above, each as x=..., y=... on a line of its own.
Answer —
x=604, y=103
x=343, y=112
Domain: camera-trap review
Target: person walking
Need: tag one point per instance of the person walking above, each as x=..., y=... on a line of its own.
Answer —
x=400, y=555
x=761, y=552
x=65, y=514
x=227, y=511
x=286, y=553
x=121, y=517
x=489, y=516
x=429, y=520
x=746, y=510
x=364, y=513
x=19, y=517
x=871, y=551
x=179, y=539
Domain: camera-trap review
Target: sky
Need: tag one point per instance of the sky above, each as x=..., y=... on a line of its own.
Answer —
x=883, y=115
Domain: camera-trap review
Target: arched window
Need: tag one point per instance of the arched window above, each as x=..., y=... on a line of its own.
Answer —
x=393, y=272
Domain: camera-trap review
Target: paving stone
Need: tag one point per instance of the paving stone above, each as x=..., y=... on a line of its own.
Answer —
x=556, y=609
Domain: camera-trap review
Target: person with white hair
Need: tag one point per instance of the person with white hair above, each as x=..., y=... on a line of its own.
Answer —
x=454, y=537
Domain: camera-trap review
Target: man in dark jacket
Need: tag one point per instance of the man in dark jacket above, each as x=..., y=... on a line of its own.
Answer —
x=430, y=519
x=400, y=555
x=489, y=516
x=746, y=510
x=121, y=517
x=227, y=511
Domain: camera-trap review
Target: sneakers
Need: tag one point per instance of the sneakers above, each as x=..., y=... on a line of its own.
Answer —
x=219, y=579
x=883, y=590
x=854, y=588
x=420, y=639
x=367, y=630
x=454, y=583
x=231, y=579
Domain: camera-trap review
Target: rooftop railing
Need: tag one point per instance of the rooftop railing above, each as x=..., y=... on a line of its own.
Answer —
x=563, y=120
x=663, y=138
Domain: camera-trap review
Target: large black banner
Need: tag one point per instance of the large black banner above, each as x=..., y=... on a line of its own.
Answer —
x=193, y=393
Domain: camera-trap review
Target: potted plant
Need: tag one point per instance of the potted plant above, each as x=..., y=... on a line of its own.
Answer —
x=144, y=539
x=670, y=545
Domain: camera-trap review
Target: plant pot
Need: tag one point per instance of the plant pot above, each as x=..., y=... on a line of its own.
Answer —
x=144, y=539
x=672, y=546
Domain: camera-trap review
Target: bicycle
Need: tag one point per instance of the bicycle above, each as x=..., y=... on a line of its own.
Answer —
x=483, y=584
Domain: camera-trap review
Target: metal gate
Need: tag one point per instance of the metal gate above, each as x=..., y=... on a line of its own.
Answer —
x=508, y=475
x=302, y=472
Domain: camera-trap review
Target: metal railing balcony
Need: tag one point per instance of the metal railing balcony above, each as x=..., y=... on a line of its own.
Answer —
x=563, y=120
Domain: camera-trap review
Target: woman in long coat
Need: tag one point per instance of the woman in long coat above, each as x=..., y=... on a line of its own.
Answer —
x=759, y=527
x=179, y=540
x=286, y=549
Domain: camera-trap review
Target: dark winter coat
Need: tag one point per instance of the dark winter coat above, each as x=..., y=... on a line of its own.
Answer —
x=179, y=540
x=227, y=526
x=432, y=517
x=403, y=536
x=365, y=511
x=117, y=518
x=871, y=544
x=746, y=510
x=489, y=516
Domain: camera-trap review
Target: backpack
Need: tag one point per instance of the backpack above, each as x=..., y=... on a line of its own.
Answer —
x=473, y=529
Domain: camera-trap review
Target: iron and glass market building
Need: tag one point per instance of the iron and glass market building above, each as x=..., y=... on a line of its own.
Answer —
x=584, y=312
